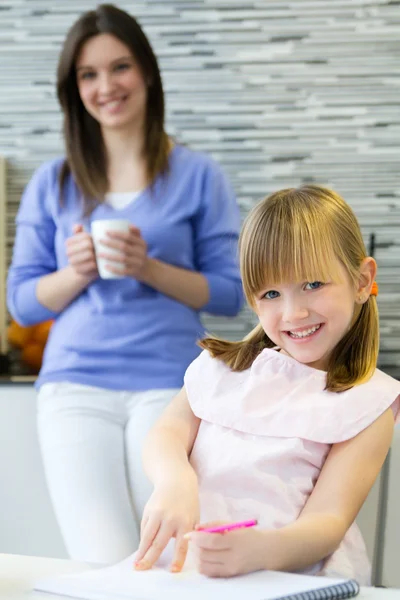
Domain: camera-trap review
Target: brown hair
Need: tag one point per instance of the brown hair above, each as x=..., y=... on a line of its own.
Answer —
x=86, y=157
x=301, y=234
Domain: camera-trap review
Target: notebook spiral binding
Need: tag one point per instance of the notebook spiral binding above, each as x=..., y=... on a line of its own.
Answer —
x=339, y=591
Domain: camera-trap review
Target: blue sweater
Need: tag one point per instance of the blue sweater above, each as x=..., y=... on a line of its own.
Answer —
x=122, y=334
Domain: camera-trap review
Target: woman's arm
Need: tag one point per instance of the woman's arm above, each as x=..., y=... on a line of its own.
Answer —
x=188, y=287
x=56, y=290
x=216, y=228
x=33, y=253
x=214, y=286
x=36, y=289
x=342, y=487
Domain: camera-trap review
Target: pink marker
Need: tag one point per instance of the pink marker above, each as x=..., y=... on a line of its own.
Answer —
x=230, y=526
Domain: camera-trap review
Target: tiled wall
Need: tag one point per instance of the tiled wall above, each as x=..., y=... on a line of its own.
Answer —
x=280, y=93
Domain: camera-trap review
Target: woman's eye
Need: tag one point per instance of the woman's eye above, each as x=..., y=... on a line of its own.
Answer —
x=314, y=285
x=122, y=67
x=87, y=75
x=271, y=295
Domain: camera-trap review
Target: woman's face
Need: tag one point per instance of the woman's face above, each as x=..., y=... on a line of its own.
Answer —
x=110, y=83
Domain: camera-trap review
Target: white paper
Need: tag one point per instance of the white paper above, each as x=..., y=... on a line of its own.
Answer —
x=121, y=582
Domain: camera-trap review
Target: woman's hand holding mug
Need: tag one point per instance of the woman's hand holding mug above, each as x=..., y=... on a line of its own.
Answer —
x=120, y=249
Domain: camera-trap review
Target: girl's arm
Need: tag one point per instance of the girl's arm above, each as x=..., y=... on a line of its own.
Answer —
x=169, y=443
x=342, y=487
x=173, y=509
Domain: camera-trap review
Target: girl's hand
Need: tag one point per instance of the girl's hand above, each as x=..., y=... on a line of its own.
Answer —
x=171, y=512
x=132, y=252
x=230, y=553
x=80, y=253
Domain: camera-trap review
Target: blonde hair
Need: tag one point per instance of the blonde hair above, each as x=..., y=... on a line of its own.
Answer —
x=301, y=234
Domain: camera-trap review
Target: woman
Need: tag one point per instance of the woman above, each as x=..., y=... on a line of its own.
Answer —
x=118, y=348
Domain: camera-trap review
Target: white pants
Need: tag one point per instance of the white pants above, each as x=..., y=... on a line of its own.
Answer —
x=91, y=441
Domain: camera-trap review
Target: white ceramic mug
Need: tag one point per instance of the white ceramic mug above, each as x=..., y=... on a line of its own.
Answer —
x=99, y=230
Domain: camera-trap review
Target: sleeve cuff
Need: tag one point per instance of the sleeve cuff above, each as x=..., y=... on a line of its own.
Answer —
x=27, y=309
x=226, y=296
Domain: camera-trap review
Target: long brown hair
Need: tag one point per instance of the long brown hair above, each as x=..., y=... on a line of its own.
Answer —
x=85, y=150
x=301, y=234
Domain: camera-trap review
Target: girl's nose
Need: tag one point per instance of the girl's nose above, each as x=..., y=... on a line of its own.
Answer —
x=294, y=311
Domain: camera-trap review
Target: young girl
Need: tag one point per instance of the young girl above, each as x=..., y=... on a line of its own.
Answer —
x=291, y=426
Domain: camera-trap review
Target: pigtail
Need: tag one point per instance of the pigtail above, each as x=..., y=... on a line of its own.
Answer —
x=354, y=359
x=238, y=356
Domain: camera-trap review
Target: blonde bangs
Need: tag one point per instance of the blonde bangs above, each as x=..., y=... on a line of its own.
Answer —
x=282, y=242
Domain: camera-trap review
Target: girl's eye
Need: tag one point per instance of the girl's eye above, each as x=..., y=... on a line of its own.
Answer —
x=271, y=295
x=314, y=285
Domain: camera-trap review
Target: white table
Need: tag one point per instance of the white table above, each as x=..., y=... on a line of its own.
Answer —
x=18, y=573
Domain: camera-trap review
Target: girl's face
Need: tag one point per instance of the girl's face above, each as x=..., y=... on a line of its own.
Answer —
x=110, y=83
x=308, y=319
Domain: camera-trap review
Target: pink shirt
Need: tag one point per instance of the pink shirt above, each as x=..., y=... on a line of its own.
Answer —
x=264, y=436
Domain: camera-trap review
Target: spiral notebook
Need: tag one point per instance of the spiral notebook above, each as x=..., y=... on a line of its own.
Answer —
x=121, y=582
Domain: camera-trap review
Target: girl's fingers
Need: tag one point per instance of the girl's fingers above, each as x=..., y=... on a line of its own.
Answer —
x=158, y=544
x=180, y=552
x=212, y=541
x=148, y=534
x=77, y=228
x=212, y=556
x=201, y=526
x=213, y=569
x=143, y=524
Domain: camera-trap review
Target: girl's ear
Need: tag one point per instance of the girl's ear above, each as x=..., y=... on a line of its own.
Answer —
x=367, y=277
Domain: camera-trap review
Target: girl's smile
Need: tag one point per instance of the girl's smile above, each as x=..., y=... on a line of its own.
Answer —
x=304, y=334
